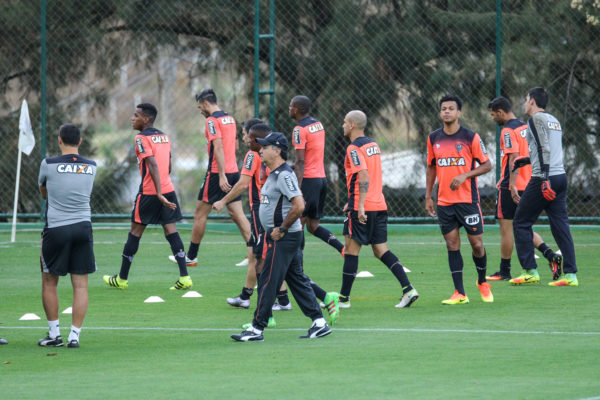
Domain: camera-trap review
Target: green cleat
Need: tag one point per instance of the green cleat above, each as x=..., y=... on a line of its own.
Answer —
x=115, y=281
x=332, y=305
x=527, y=277
x=183, y=283
x=566, y=280
x=270, y=324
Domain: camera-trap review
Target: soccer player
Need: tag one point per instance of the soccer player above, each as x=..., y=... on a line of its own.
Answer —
x=547, y=190
x=456, y=156
x=513, y=144
x=222, y=172
x=66, y=182
x=156, y=201
x=366, y=219
x=280, y=208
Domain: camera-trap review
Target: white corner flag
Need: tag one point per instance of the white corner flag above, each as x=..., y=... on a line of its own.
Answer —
x=26, y=144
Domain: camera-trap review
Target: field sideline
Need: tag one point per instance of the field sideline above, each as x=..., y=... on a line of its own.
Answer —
x=533, y=342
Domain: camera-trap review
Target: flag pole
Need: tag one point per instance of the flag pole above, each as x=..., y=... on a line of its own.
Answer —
x=14, y=219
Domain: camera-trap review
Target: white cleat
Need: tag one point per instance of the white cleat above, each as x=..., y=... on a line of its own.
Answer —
x=188, y=262
x=243, y=263
x=408, y=298
x=238, y=302
x=279, y=307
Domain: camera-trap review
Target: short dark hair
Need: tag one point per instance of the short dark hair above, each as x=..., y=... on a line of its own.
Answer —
x=451, y=97
x=148, y=110
x=70, y=134
x=250, y=123
x=260, y=130
x=302, y=103
x=207, y=95
x=500, y=103
x=540, y=96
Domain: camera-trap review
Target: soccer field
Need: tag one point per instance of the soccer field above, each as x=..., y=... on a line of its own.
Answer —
x=534, y=342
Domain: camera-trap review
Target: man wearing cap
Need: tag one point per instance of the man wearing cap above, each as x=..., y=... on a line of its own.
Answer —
x=281, y=204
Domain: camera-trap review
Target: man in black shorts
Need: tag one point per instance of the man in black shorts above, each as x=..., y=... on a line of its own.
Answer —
x=153, y=150
x=67, y=242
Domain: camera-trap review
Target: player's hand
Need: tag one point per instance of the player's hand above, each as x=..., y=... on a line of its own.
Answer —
x=547, y=191
x=345, y=207
x=457, y=181
x=166, y=203
x=429, y=206
x=218, y=206
x=520, y=162
x=362, y=216
x=514, y=194
x=276, y=234
x=224, y=184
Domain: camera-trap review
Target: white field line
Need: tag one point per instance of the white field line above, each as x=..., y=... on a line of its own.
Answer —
x=393, y=330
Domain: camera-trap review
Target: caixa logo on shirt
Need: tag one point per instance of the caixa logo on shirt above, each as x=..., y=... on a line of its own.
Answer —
x=75, y=169
x=159, y=139
x=227, y=120
x=451, y=162
x=373, y=150
x=472, y=219
x=314, y=128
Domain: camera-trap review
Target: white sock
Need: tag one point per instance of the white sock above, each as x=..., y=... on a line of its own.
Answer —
x=54, y=332
x=319, y=322
x=74, y=334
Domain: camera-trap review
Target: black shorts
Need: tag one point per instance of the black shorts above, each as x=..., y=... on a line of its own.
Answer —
x=256, y=234
x=211, y=192
x=505, y=206
x=373, y=232
x=314, y=191
x=149, y=210
x=68, y=249
x=456, y=215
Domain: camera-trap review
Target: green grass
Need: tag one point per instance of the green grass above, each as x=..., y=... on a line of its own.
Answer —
x=533, y=342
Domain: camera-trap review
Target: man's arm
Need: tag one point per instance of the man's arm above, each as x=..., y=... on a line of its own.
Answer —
x=299, y=165
x=155, y=175
x=480, y=170
x=429, y=182
x=363, y=188
x=44, y=192
x=220, y=157
x=237, y=190
x=512, y=179
x=294, y=213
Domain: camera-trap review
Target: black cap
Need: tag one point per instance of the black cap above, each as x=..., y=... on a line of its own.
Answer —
x=276, y=139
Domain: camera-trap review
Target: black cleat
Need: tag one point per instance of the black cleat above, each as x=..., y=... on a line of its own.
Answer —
x=556, y=266
x=248, y=336
x=51, y=342
x=74, y=344
x=317, y=332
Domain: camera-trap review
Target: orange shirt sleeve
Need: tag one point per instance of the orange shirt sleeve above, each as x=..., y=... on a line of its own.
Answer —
x=430, y=154
x=299, y=136
x=251, y=163
x=143, y=147
x=479, y=151
x=213, y=129
x=356, y=158
x=509, y=141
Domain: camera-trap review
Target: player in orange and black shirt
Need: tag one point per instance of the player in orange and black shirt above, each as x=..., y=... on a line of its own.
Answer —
x=156, y=202
x=253, y=175
x=366, y=219
x=513, y=145
x=456, y=156
x=309, y=144
x=222, y=172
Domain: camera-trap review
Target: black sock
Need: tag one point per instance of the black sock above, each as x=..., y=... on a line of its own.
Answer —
x=349, y=274
x=328, y=238
x=246, y=293
x=193, y=250
x=392, y=262
x=481, y=265
x=282, y=297
x=319, y=293
x=546, y=251
x=456, y=267
x=129, y=250
x=505, y=266
x=178, y=251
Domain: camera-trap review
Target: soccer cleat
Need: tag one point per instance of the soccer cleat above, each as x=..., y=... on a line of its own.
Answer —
x=317, y=331
x=498, y=276
x=556, y=266
x=243, y=263
x=566, y=280
x=188, y=262
x=249, y=335
x=279, y=307
x=456, y=298
x=50, y=342
x=183, y=283
x=527, y=277
x=270, y=324
x=74, y=344
x=115, y=281
x=408, y=298
x=332, y=306
x=238, y=302
x=486, y=293
x=3, y=341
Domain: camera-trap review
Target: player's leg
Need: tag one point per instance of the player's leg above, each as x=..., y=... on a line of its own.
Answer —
x=507, y=244
x=349, y=270
x=50, y=303
x=185, y=281
x=243, y=299
x=130, y=249
x=480, y=260
x=200, y=218
x=236, y=212
x=80, y=306
x=455, y=259
x=538, y=243
x=383, y=253
x=314, y=191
